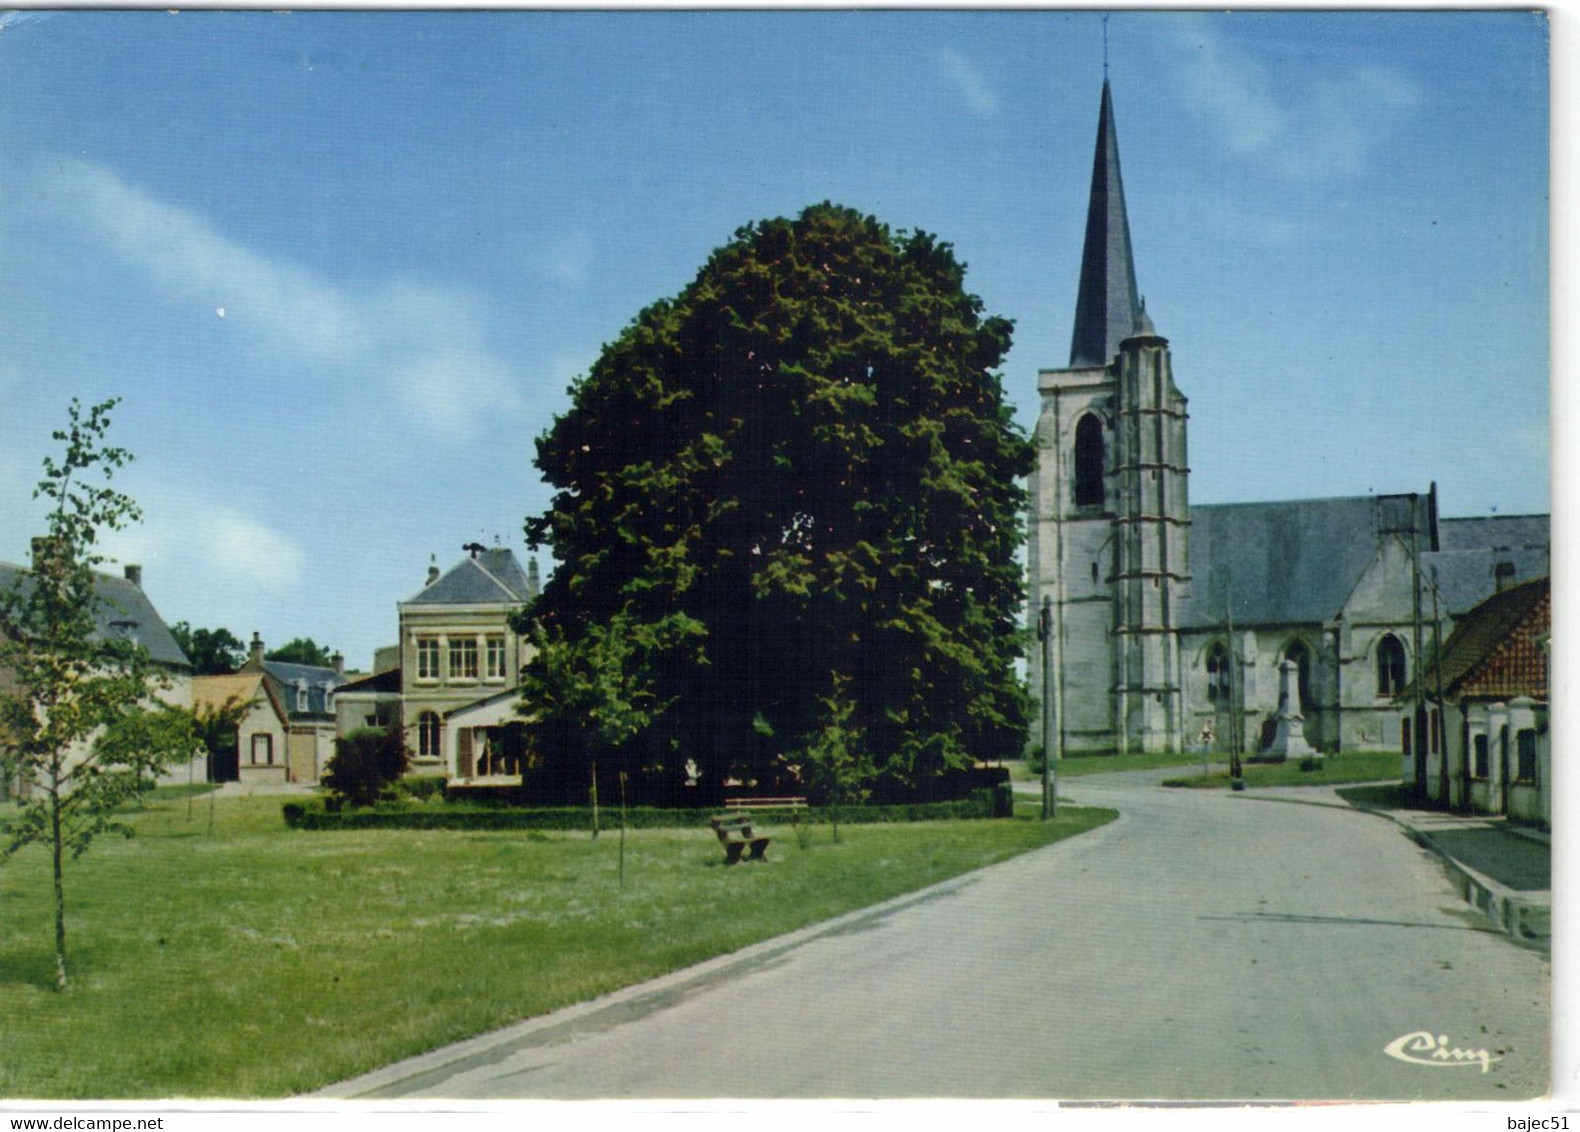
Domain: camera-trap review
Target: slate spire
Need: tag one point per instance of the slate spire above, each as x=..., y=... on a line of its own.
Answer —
x=1105, y=308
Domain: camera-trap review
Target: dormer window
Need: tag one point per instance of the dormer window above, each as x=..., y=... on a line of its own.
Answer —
x=329, y=697
x=301, y=695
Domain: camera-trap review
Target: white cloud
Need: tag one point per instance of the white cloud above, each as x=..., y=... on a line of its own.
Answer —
x=427, y=341
x=210, y=544
x=960, y=71
x=1323, y=125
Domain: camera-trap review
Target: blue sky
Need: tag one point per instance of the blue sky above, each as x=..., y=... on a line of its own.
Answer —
x=342, y=266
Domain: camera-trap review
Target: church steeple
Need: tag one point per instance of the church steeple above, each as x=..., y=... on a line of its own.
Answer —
x=1105, y=309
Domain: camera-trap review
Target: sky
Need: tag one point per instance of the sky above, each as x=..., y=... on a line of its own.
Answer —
x=342, y=267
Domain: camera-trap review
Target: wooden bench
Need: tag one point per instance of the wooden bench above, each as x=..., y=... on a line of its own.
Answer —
x=735, y=834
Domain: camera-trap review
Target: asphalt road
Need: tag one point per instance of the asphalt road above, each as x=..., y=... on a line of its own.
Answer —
x=1205, y=946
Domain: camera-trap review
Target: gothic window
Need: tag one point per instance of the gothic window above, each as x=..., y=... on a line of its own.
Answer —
x=1301, y=655
x=1089, y=462
x=1218, y=674
x=428, y=735
x=1390, y=666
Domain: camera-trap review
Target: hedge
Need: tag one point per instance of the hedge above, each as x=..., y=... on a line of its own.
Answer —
x=313, y=815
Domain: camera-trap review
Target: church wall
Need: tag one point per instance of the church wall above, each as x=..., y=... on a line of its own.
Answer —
x=1083, y=604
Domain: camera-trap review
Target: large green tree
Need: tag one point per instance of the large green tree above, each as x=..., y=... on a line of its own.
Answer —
x=302, y=650
x=213, y=652
x=795, y=482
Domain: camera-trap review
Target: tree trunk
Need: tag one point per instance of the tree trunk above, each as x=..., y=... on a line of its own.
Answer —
x=56, y=850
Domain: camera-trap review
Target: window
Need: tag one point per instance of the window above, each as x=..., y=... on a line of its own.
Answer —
x=1089, y=462
x=427, y=658
x=1480, y=770
x=263, y=750
x=1301, y=655
x=329, y=697
x=1218, y=674
x=1526, y=743
x=496, y=658
x=301, y=695
x=1390, y=666
x=428, y=735
x=463, y=658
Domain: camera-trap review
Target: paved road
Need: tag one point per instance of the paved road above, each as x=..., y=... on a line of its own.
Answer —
x=1205, y=946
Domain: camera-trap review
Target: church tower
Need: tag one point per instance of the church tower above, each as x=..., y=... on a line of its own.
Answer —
x=1109, y=503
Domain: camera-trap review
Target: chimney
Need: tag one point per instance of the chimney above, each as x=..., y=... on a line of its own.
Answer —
x=339, y=662
x=433, y=570
x=134, y=575
x=532, y=577
x=255, y=651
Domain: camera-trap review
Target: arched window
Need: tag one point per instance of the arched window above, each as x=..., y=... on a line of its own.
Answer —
x=1218, y=674
x=1301, y=655
x=428, y=735
x=1390, y=666
x=1089, y=462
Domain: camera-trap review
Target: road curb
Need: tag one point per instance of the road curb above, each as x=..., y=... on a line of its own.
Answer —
x=1527, y=923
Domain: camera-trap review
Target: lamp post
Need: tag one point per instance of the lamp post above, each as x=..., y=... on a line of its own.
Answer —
x=1050, y=799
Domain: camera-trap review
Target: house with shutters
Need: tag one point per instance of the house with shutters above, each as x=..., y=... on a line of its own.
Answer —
x=124, y=610
x=287, y=733
x=1497, y=752
x=460, y=660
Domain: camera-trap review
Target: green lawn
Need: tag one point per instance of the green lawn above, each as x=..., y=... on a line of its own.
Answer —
x=1077, y=766
x=1347, y=766
x=262, y=961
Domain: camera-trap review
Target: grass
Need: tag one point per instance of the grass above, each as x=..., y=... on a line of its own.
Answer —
x=1347, y=766
x=263, y=962
x=1079, y=765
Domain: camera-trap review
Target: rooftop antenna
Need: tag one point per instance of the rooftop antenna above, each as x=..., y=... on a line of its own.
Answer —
x=1105, y=46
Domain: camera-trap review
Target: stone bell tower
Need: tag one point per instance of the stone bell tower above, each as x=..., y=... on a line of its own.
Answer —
x=1109, y=506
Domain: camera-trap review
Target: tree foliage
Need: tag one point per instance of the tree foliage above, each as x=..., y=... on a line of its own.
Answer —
x=213, y=652
x=803, y=463
x=80, y=730
x=366, y=763
x=302, y=650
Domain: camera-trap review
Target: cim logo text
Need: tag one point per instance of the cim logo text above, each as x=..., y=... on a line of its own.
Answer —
x=1425, y=1048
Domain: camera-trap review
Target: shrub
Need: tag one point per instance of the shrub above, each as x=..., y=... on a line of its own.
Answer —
x=366, y=764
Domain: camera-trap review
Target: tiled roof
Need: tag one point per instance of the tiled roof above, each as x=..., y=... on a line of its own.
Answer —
x=216, y=691
x=318, y=680
x=1473, y=549
x=493, y=576
x=123, y=609
x=1297, y=561
x=1496, y=652
x=1289, y=562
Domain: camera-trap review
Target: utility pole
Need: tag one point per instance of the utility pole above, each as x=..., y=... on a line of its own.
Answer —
x=1445, y=794
x=1420, y=684
x=1050, y=799
x=1234, y=675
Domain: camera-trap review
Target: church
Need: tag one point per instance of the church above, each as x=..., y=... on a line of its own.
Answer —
x=1171, y=626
